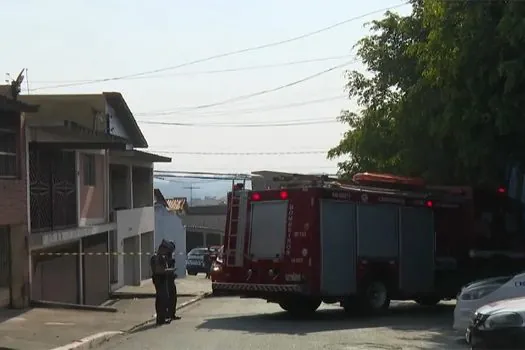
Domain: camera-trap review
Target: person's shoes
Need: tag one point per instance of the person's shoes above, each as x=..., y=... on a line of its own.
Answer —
x=160, y=322
x=168, y=321
x=175, y=317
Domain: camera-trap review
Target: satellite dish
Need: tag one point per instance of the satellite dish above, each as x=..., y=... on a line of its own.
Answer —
x=16, y=84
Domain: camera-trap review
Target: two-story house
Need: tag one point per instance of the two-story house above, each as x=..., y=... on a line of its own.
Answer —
x=91, y=212
x=14, y=255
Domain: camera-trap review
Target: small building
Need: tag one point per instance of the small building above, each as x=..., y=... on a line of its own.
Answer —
x=91, y=211
x=205, y=225
x=168, y=226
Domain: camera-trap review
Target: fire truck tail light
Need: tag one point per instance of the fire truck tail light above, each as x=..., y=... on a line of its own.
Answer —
x=256, y=196
x=429, y=204
x=283, y=195
x=501, y=190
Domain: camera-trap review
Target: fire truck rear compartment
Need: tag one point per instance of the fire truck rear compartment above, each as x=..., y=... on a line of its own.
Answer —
x=362, y=243
x=268, y=229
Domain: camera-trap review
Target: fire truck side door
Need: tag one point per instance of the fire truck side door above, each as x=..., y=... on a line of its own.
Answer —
x=338, y=247
x=416, y=250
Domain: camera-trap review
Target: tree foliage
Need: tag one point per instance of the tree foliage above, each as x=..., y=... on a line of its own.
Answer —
x=444, y=93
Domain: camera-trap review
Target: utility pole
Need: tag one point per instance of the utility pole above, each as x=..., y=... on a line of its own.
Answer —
x=191, y=188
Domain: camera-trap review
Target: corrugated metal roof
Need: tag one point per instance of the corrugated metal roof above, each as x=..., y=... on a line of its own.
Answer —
x=177, y=204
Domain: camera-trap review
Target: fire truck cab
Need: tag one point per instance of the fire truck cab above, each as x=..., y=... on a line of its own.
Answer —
x=360, y=245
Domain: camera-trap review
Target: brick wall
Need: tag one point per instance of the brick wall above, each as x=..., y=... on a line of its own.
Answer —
x=13, y=193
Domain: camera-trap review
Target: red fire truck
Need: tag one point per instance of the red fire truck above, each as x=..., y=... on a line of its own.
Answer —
x=362, y=244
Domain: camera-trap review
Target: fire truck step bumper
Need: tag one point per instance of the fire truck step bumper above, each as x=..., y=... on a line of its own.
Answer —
x=254, y=287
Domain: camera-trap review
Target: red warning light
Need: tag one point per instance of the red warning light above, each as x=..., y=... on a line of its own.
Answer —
x=501, y=190
x=256, y=196
x=429, y=204
x=283, y=195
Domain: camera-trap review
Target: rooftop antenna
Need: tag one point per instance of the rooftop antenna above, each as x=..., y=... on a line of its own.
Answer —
x=191, y=188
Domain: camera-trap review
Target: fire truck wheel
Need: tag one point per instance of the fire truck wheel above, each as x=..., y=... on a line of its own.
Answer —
x=375, y=297
x=300, y=306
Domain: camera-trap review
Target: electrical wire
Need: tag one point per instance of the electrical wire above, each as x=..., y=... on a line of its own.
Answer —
x=231, y=53
x=267, y=91
x=213, y=71
x=287, y=123
x=245, y=110
x=276, y=153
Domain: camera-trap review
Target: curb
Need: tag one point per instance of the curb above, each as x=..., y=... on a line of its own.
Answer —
x=138, y=327
x=95, y=340
x=90, y=342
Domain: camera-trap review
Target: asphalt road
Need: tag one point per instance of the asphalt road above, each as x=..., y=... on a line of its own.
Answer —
x=232, y=323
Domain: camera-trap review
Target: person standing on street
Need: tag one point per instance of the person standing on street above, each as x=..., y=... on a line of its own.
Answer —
x=172, y=287
x=160, y=272
x=207, y=263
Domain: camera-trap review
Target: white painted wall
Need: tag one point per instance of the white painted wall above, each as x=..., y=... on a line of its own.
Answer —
x=132, y=223
x=169, y=226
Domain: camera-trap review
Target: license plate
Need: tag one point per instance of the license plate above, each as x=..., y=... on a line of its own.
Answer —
x=196, y=263
x=468, y=336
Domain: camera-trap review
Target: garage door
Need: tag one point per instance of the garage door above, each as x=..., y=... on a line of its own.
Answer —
x=96, y=269
x=55, y=278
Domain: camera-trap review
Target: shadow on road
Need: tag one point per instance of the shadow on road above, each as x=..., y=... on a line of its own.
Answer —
x=434, y=321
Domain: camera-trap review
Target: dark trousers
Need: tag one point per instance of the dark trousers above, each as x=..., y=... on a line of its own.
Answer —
x=172, y=297
x=161, y=298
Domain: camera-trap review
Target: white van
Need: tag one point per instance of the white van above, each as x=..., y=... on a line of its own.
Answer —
x=477, y=294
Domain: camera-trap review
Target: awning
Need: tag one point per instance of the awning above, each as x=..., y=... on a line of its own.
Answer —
x=68, y=134
x=141, y=156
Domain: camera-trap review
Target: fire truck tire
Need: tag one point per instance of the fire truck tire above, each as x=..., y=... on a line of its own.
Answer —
x=375, y=297
x=300, y=306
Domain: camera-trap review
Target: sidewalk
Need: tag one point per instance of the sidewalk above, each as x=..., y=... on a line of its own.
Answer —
x=41, y=328
x=187, y=286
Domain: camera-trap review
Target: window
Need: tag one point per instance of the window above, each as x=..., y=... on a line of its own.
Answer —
x=89, y=170
x=9, y=127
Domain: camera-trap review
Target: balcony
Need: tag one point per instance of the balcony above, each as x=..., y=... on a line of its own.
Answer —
x=133, y=222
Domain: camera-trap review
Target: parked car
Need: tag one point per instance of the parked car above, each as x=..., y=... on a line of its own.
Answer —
x=480, y=293
x=498, y=325
x=195, y=262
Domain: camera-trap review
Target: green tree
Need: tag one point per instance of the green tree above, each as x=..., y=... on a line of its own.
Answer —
x=442, y=97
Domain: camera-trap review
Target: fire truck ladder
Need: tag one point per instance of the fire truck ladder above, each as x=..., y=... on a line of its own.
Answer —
x=236, y=225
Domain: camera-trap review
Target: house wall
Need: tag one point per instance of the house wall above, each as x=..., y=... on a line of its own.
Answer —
x=13, y=202
x=214, y=222
x=115, y=125
x=14, y=213
x=131, y=224
x=92, y=198
x=169, y=226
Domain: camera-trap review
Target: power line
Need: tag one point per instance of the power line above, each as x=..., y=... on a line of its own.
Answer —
x=231, y=53
x=204, y=72
x=245, y=110
x=255, y=125
x=267, y=91
x=277, y=153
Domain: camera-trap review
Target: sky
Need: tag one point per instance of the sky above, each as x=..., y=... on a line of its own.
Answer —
x=62, y=42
